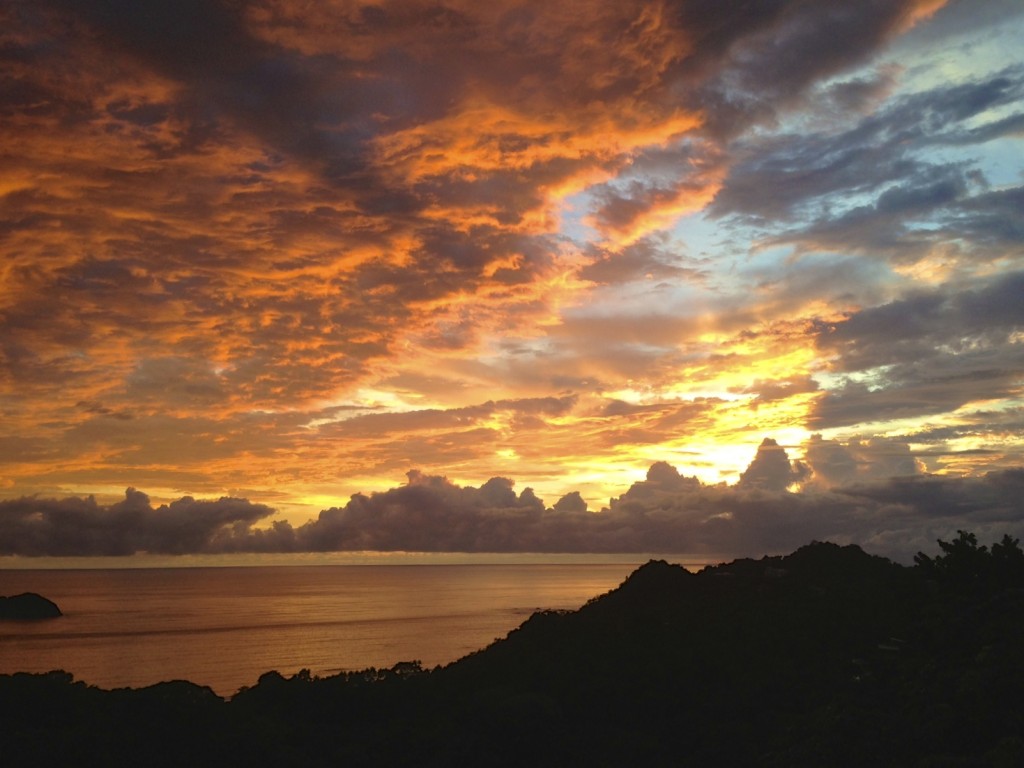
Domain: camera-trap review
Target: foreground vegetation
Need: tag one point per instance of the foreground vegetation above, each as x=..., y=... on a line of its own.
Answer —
x=827, y=656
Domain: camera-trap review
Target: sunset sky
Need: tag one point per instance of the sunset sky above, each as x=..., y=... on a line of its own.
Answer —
x=257, y=257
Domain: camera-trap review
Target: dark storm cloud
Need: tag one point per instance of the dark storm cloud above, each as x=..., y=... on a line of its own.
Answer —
x=666, y=512
x=800, y=177
x=746, y=67
x=929, y=353
x=427, y=514
x=325, y=107
x=288, y=99
x=992, y=218
x=232, y=77
x=903, y=330
x=892, y=516
x=906, y=392
x=771, y=469
x=762, y=59
x=910, y=392
x=76, y=526
x=831, y=463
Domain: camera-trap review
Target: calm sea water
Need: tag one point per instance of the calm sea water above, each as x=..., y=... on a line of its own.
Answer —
x=224, y=626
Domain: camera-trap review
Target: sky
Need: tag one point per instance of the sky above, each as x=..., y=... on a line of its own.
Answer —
x=691, y=275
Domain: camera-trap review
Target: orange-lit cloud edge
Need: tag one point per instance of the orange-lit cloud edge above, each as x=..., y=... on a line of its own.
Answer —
x=319, y=249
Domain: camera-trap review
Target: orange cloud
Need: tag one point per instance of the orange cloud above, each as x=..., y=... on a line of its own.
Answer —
x=301, y=248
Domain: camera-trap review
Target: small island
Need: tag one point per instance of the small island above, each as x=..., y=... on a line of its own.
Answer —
x=28, y=606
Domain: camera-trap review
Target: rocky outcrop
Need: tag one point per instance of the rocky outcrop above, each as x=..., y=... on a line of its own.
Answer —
x=28, y=607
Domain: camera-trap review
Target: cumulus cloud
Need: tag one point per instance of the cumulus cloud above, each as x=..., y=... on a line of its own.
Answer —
x=667, y=513
x=571, y=502
x=832, y=463
x=428, y=514
x=77, y=526
x=850, y=501
x=771, y=469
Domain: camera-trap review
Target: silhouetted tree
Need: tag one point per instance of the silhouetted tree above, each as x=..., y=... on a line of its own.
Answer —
x=1008, y=561
x=965, y=564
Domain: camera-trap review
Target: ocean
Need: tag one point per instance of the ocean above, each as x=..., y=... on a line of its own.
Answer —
x=222, y=625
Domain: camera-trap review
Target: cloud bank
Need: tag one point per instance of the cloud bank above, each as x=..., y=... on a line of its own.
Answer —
x=665, y=513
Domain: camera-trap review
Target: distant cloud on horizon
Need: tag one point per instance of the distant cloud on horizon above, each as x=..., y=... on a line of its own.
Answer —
x=665, y=513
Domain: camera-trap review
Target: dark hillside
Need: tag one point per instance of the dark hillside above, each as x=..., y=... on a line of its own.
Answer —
x=827, y=656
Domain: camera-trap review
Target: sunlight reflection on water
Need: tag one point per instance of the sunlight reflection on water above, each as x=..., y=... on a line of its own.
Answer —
x=224, y=626
x=243, y=559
